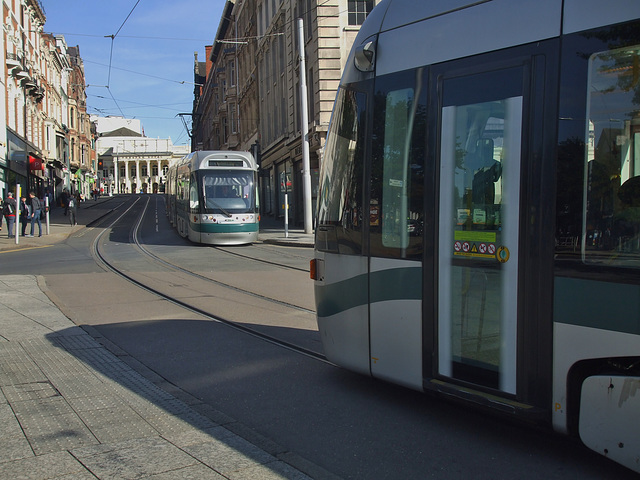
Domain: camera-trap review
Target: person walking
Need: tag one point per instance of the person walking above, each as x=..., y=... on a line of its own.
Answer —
x=36, y=206
x=9, y=212
x=72, y=205
x=25, y=214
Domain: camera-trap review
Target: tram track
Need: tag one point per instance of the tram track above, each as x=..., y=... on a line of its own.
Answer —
x=262, y=260
x=102, y=260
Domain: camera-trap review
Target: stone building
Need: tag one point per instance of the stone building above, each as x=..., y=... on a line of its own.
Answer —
x=45, y=138
x=129, y=162
x=81, y=155
x=251, y=98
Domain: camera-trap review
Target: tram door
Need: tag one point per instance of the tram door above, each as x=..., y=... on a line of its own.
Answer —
x=478, y=228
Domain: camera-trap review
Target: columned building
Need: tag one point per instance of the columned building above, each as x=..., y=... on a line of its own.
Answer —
x=129, y=162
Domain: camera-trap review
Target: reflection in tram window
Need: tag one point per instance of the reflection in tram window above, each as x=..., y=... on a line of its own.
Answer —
x=340, y=213
x=611, y=229
x=397, y=170
x=477, y=184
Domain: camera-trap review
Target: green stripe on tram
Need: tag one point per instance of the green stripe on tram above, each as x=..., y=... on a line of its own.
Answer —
x=386, y=285
x=224, y=227
x=595, y=304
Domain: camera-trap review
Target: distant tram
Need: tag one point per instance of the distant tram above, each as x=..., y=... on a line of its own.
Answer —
x=478, y=224
x=212, y=197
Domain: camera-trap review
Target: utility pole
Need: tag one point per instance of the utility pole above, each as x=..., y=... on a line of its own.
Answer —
x=304, y=127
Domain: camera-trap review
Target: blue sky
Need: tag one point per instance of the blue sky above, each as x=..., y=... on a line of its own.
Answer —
x=152, y=55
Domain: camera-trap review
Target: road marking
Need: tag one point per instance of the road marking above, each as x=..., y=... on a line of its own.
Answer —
x=22, y=249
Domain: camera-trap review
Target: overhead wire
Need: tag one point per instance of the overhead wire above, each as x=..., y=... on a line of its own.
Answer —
x=113, y=37
x=117, y=34
x=180, y=82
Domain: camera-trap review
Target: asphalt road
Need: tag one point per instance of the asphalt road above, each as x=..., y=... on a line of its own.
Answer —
x=352, y=426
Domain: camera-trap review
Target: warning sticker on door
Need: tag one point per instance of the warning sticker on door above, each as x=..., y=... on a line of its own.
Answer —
x=475, y=244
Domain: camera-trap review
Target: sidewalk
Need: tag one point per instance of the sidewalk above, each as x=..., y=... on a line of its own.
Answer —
x=73, y=405
x=59, y=227
x=70, y=408
x=271, y=230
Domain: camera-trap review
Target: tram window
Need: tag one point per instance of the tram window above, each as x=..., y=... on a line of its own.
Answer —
x=397, y=170
x=194, y=202
x=611, y=225
x=228, y=191
x=340, y=202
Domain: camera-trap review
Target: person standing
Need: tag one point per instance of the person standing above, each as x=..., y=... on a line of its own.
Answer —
x=25, y=214
x=65, y=200
x=36, y=206
x=9, y=212
x=73, y=210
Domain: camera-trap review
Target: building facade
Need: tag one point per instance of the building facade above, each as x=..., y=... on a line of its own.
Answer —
x=82, y=160
x=129, y=162
x=251, y=98
x=46, y=139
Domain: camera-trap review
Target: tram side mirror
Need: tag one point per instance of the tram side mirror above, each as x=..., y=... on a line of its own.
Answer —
x=365, y=55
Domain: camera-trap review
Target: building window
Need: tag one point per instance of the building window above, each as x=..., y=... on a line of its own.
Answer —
x=231, y=67
x=232, y=118
x=358, y=11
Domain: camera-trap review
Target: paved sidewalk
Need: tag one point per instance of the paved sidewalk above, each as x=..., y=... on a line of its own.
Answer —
x=72, y=409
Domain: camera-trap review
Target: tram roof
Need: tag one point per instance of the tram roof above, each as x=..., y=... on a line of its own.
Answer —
x=198, y=158
x=448, y=29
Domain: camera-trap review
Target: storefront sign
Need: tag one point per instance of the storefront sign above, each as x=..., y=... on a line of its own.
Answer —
x=35, y=163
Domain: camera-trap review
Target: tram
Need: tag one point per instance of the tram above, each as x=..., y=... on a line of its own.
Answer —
x=212, y=197
x=478, y=219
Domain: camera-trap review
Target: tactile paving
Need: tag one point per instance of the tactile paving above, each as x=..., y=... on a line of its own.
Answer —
x=52, y=433
x=29, y=391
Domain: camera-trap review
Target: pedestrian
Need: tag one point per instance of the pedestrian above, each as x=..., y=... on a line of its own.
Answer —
x=9, y=212
x=1, y=209
x=36, y=206
x=25, y=214
x=73, y=210
x=65, y=200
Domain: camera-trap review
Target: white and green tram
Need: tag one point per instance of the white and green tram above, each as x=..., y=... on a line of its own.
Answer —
x=212, y=197
x=478, y=222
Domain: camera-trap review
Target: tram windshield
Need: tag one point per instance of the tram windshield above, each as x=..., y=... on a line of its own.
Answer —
x=229, y=192
x=611, y=228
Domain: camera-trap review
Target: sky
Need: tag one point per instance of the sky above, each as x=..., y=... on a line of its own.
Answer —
x=151, y=55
